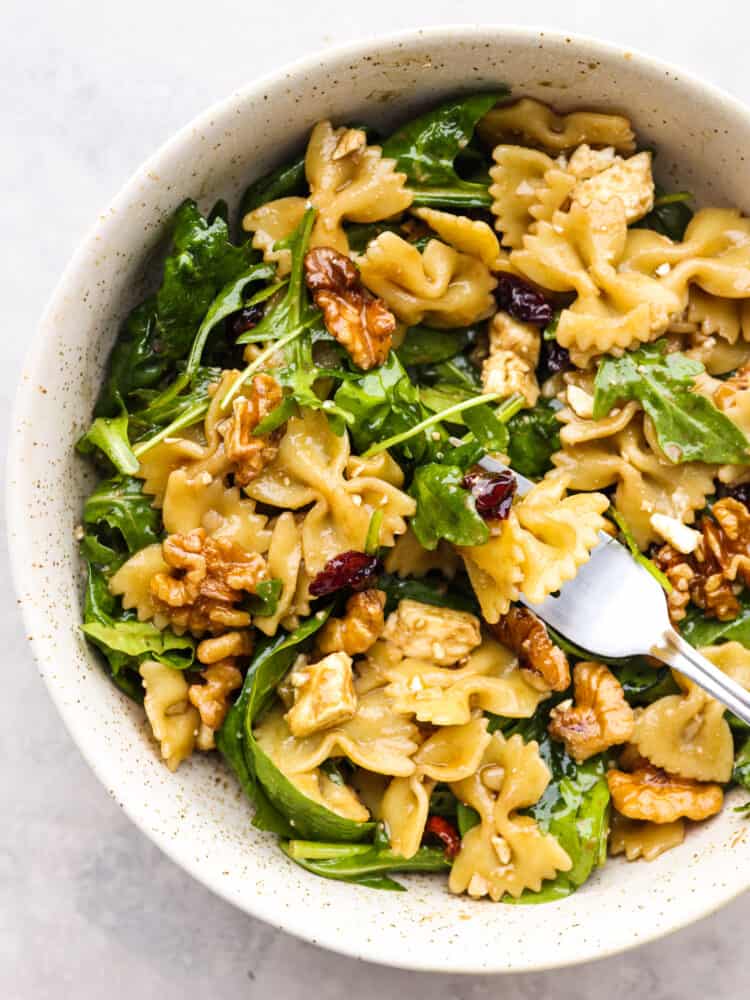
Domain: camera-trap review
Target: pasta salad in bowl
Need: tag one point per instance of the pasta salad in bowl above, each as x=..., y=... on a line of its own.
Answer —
x=307, y=659
x=295, y=558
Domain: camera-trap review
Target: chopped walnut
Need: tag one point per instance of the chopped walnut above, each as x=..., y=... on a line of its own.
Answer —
x=221, y=647
x=353, y=316
x=648, y=793
x=360, y=627
x=514, y=354
x=324, y=695
x=207, y=578
x=248, y=453
x=439, y=635
x=212, y=697
x=543, y=664
x=713, y=574
x=601, y=717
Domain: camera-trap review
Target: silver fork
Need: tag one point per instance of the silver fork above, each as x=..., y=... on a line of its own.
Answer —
x=614, y=608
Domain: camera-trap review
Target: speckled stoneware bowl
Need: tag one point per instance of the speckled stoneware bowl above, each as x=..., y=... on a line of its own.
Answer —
x=198, y=816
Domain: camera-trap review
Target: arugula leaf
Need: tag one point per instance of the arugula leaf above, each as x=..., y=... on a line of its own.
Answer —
x=427, y=147
x=300, y=375
x=444, y=508
x=534, y=436
x=383, y=403
x=424, y=346
x=489, y=431
x=429, y=590
x=358, y=863
x=162, y=408
x=141, y=640
x=688, y=426
x=456, y=371
x=441, y=397
x=120, y=504
x=359, y=234
x=110, y=436
x=282, y=182
x=202, y=260
x=700, y=631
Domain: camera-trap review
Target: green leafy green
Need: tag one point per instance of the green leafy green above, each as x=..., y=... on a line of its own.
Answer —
x=467, y=818
x=160, y=331
x=534, y=436
x=121, y=506
x=110, y=436
x=638, y=556
x=382, y=404
x=444, y=508
x=265, y=600
x=644, y=684
x=427, y=147
x=362, y=864
x=142, y=640
x=424, y=346
x=701, y=631
x=670, y=215
x=431, y=589
x=283, y=182
x=741, y=772
x=688, y=426
x=487, y=428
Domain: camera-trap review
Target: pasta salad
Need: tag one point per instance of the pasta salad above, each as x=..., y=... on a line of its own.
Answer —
x=295, y=559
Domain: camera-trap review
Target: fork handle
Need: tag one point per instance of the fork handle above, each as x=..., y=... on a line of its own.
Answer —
x=680, y=655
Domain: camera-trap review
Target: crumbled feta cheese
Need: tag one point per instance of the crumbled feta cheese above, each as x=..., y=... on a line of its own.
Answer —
x=679, y=535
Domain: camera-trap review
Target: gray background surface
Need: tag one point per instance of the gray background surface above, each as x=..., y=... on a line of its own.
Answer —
x=88, y=907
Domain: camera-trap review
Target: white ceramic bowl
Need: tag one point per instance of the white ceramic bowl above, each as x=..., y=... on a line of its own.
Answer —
x=198, y=816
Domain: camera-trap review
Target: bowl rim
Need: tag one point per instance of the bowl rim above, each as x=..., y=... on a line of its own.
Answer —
x=17, y=524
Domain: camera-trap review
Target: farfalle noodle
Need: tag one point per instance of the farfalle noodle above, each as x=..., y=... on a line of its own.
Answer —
x=536, y=124
x=310, y=468
x=506, y=852
x=440, y=286
x=542, y=543
x=686, y=734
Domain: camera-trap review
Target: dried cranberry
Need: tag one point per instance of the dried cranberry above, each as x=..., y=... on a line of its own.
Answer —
x=492, y=491
x=740, y=492
x=245, y=319
x=446, y=832
x=522, y=300
x=348, y=569
x=554, y=358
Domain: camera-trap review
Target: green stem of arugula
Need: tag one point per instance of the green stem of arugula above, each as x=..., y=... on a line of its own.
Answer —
x=310, y=850
x=191, y=416
x=636, y=553
x=431, y=421
x=258, y=362
x=674, y=198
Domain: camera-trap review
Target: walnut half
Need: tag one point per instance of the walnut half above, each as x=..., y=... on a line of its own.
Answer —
x=360, y=322
x=249, y=453
x=543, y=664
x=360, y=627
x=212, y=697
x=648, y=793
x=601, y=717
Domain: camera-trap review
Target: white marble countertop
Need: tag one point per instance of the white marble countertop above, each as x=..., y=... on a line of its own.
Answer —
x=88, y=907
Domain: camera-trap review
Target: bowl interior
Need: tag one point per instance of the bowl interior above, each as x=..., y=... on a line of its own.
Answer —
x=198, y=815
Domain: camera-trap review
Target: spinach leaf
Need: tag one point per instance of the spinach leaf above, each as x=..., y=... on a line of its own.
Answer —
x=363, y=864
x=265, y=600
x=490, y=432
x=110, y=436
x=424, y=346
x=282, y=182
x=426, y=149
x=701, y=631
x=444, y=508
x=141, y=640
x=443, y=802
x=628, y=537
x=644, y=684
x=360, y=234
x=456, y=371
x=688, y=426
x=429, y=590
x=202, y=260
x=120, y=505
x=741, y=772
x=669, y=216
x=534, y=436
